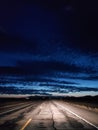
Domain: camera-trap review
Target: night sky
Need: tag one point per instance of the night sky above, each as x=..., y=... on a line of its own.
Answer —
x=49, y=47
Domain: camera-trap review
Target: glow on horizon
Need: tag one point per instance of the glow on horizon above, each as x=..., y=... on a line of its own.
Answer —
x=76, y=94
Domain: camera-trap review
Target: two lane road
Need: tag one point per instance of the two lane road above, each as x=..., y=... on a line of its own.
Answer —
x=50, y=115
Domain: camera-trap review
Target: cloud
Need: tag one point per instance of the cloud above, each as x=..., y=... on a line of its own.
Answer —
x=27, y=79
x=89, y=78
x=8, y=90
x=36, y=70
x=65, y=89
x=38, y=67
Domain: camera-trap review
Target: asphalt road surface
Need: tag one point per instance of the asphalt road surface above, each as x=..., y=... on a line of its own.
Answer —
x=47, y=115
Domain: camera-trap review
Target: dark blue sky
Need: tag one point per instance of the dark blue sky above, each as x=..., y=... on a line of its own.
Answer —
x=54, y=43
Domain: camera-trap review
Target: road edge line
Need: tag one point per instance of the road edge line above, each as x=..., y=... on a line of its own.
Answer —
x=78, y=116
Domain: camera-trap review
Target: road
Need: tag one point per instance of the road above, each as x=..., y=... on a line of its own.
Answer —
x=47, y=115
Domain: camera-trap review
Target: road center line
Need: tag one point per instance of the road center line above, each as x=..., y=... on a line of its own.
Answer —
x=78, y=116
x=26, y=124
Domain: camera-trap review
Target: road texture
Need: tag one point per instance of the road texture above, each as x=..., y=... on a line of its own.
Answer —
x=47, y=115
